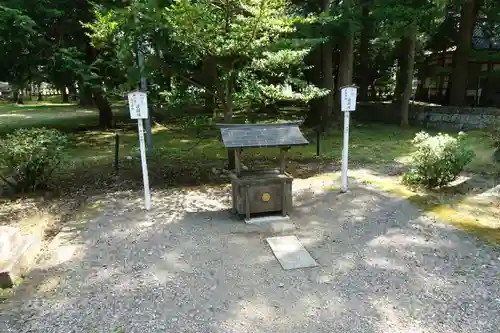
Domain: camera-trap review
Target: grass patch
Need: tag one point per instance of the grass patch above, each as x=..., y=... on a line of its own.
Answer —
x=183, y=151
x=176, y=145
x=369, y=144
x=61, y=116
x=484, y=148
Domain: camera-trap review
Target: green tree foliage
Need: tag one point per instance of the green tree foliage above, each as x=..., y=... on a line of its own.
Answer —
x=412, y=22
x=42, y=40
x=247, y=48
x=18, y=37
x=236, y=55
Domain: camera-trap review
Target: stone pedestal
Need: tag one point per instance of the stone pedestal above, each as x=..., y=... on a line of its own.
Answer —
x=17, y=253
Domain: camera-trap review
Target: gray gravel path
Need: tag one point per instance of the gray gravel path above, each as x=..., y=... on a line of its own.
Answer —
x=187, y=266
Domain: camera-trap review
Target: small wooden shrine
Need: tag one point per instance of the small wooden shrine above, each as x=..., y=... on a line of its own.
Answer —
x=261, y=191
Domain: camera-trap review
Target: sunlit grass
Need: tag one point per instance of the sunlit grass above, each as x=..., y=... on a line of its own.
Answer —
x=63, y=116
x=369, y=145
x=484, y=149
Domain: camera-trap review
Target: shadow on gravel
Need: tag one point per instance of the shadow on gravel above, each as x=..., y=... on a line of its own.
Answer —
x=189, y=266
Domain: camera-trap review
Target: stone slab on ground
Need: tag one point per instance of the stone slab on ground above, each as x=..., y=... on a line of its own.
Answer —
x=290, y=252
x=21, y=258
x=189, y=266
x=10, y=239
x=267, y=219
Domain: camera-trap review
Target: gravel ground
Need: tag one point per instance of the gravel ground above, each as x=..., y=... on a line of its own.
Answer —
x=188, y=266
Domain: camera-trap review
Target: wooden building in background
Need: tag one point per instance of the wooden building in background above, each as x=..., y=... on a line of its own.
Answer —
x=483, y=78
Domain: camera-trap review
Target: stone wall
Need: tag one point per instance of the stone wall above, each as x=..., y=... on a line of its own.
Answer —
x=431, y=116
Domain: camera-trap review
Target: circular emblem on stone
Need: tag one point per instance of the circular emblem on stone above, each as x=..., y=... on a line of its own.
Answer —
x=266, y=197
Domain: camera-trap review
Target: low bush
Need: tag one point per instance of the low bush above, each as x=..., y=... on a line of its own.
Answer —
x=438, y=160
x=29, y=156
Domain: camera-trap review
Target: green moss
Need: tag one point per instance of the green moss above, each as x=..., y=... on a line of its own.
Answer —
x=439, y=208
x=5, y=293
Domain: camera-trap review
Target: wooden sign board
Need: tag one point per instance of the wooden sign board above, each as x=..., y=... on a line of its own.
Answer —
x=348, y=98
x=138, y=105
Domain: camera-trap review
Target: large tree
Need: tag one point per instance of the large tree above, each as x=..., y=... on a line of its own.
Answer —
x=246, y=49
x=21, y=43
x=468, y=17
x=44, y=40
x=346, y=45
x=409, y=22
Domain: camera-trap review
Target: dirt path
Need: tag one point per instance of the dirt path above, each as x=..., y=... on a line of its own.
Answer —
x=188, y=266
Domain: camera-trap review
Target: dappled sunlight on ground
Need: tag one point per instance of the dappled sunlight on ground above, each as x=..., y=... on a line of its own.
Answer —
x=65, y=117
x=473, y=209
x=188, y=265
x=17, y=115
x=387, y=262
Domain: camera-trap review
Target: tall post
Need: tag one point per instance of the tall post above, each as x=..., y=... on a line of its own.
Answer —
x=318, y=138
x=117, y=152
x=345, y=151
x=143, y=85
x=348, y=96
x=138, y=107
x=145, y=176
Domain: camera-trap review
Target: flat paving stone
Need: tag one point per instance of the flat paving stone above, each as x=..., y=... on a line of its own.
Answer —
x=290, y=252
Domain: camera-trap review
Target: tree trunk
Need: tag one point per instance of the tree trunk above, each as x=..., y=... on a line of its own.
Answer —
x=105, y=112
x=345, y=63
x=313, y=118
x=327, y=82
x=364, y=60
x=405, y=74
x=209, y=69
x=228, y=117
x=39, y=90
x=64, y=94
x=400, y=74
x=346, y=56
x=18, y=96
x=458, y=80
x=72, y=92
x=327, y=103
x=85, y=96
x=225, y=96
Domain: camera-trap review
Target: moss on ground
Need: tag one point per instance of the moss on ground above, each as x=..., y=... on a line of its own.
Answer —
x=442, y=208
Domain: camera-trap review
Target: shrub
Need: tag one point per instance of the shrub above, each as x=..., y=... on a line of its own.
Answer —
x=437, y=160
x=31, y=155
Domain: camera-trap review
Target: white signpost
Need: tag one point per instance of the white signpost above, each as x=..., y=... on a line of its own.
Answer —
x=347, y=105
x=138, y=106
